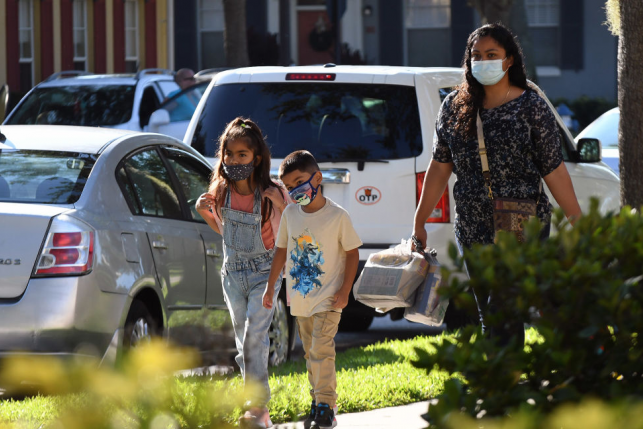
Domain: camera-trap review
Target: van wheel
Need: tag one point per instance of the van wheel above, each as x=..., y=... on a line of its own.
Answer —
x=140, y=326
x=279, y=332
x=355, y=322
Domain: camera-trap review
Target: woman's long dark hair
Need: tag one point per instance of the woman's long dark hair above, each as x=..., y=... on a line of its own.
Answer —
x=244, y=129
x=470, y=94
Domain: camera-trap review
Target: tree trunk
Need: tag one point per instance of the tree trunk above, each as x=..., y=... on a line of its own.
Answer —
x=493, y=11
x=630, y=102
x=513, y=15
x=520, y=27
x=235, y=41
x=285, y=59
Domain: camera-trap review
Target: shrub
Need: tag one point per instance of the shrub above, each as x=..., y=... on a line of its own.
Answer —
x=581, y=290
x=586, y=109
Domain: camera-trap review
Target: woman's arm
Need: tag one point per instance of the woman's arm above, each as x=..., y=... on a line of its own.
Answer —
x=560, y=185
x=435, y=181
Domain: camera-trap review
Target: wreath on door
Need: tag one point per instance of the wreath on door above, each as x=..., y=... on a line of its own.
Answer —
x=320, y=38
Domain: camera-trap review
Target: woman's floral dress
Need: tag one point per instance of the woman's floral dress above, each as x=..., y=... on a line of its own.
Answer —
x=523, y=145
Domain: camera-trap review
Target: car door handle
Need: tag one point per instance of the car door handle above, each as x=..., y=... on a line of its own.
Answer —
x=213, y=253
x=159, y=244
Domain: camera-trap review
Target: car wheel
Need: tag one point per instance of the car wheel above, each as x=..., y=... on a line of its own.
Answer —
x=355, y=322
x=279, y=332
x=140, y=326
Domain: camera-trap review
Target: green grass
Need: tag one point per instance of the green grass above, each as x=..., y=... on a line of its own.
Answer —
x=370, y=377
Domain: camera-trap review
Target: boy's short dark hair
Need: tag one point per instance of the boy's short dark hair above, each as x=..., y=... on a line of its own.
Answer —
x=300, y=160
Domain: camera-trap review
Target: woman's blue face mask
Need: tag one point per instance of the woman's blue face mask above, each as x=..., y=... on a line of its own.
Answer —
x=305, y=193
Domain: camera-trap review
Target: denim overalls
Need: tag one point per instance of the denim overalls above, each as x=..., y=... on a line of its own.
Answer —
x=246, y=267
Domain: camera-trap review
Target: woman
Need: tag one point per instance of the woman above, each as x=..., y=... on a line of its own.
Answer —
x=522, y=142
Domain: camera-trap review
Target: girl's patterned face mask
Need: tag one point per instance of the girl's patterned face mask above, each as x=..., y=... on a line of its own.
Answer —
x=305, y=193
x=238, y=171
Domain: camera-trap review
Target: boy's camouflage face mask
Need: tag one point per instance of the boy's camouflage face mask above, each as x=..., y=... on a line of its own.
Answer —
x=305, y=193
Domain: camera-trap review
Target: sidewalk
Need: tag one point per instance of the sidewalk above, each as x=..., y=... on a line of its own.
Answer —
x=405, y=416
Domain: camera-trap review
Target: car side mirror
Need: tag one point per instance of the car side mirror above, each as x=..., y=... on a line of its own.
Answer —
x=159, y=118
x=589, y=150
x=4, y=101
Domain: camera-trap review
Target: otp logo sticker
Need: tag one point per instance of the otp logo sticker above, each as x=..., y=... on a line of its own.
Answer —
x=368, y=195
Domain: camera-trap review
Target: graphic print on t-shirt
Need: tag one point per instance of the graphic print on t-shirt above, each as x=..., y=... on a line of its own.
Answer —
x=307, y=259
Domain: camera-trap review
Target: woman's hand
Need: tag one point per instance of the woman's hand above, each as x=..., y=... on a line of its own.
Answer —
x=204, y=203
x=420, y=234
x=277, y=198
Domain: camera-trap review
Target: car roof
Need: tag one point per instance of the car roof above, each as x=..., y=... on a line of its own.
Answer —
x=344, y=74
x=60, y=137
x=104, y=79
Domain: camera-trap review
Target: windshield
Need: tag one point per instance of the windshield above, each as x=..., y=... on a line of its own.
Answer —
x=43, y=176
x=333, y=121
x=88, y=105
x=182, y=105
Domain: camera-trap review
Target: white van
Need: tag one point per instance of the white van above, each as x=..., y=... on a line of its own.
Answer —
x=371, y=130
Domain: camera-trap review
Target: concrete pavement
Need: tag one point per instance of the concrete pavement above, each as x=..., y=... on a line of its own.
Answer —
x=405, y=416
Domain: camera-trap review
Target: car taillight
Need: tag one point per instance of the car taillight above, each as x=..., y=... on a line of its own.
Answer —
x=441, y=213
x=68, y=249
x=310, y=76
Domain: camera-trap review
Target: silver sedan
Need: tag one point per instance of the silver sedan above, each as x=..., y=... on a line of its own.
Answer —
x=101, y=247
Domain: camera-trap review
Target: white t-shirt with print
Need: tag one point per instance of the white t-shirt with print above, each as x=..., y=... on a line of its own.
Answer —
x=316, y=246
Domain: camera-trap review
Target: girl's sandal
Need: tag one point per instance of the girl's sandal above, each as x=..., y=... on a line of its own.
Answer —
x=255, y=419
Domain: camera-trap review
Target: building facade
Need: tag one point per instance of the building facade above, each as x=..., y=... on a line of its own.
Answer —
x=41, y=37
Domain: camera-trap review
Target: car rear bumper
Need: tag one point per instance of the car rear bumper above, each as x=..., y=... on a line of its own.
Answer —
x=60, y=316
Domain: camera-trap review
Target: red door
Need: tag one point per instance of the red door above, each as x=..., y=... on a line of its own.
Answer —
x=314, y=37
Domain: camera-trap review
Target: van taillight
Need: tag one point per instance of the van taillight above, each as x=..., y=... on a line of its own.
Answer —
x=68, y=249
x=310, y=76
x=441, y=213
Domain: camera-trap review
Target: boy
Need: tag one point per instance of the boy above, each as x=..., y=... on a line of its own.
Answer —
x=317, y=238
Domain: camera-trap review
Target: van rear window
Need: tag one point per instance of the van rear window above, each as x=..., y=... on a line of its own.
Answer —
x=334, y=121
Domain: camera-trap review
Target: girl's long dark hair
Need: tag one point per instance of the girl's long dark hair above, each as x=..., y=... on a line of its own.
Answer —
x=470, y=94
x=244, y=129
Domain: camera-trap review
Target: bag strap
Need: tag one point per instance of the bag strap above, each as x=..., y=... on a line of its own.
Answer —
x=482, y=150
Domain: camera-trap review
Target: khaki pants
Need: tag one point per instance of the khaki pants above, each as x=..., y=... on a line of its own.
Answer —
x=317, y=334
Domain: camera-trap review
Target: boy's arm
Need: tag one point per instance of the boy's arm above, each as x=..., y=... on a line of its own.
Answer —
x=278, y=262
x=340, y=300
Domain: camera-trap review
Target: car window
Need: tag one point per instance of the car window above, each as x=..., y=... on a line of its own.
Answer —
x=146, y=185
x=335, y=121
x=149, y=103
x=168, y=87
x=87, y=105
x=181, y=106
x=193, y=176
x=45, y=177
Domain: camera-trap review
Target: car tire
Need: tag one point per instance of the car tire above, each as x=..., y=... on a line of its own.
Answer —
x=355, y=322
x=140, y=326
x=280, y=331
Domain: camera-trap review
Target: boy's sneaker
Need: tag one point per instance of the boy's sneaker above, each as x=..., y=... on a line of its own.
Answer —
x=311, y=415
x=324, y=417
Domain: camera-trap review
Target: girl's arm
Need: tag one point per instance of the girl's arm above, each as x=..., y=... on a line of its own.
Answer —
x=278, y=197
x=560, y=185
x=203, y=205
x=435, y=181
x=278, y=262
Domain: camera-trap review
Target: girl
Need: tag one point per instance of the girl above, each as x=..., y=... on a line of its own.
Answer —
x=244, y=205
x=522, y=143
